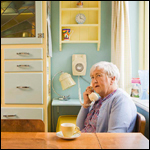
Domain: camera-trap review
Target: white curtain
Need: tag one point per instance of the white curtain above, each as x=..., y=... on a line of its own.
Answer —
x=144, y=35
x=49, y=38
x=120, y=43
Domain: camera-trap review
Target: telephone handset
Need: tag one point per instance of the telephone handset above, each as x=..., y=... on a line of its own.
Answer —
x=93, y=96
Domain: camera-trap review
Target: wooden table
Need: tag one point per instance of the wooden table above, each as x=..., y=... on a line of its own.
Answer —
x=123, y=141
x=49, y=140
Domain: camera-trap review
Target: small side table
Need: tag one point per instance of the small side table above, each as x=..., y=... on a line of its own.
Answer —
x=60, y=107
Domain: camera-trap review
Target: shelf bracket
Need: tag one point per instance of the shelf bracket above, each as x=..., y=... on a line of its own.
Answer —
x=98, y=46
x=60, y=47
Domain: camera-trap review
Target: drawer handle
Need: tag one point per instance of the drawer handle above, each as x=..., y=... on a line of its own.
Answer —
x=23, y=87
x=23, y=65
x=9, y=116
x=23, y=53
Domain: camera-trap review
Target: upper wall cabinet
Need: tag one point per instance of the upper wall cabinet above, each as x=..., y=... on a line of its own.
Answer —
x=80, y=22
x=21, y=22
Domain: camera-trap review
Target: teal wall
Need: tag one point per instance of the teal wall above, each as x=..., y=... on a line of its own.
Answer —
x=62, y=60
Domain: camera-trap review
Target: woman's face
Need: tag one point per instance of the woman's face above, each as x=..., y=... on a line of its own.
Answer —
x=100, y=82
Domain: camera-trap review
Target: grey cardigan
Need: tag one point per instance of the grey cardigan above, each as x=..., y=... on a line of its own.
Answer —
x=117, y=114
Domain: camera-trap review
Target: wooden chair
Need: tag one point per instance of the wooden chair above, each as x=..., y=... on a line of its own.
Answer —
x=22, y=125
x=65, y=119
x=140, y=123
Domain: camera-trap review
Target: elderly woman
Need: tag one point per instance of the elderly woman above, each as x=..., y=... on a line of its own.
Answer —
x=114, y=111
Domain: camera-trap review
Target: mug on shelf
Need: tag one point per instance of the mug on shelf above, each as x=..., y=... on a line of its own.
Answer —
x=79, y=4
x=67, y=34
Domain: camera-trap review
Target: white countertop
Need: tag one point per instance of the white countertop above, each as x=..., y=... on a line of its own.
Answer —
x=70, y=102
x=144, y=104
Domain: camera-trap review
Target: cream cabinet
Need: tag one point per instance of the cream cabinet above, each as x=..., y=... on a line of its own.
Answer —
x=24, y=84
x=25, y=75
x=89, y=31
x=23, y=87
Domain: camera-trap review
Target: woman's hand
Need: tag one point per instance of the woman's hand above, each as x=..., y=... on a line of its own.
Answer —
x=86, y=94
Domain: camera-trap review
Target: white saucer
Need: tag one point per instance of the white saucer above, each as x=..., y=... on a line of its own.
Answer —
x=60, y=135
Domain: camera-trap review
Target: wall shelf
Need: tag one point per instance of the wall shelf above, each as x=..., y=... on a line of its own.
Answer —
x=79, y=25
x=89, y=32
x=79, y=41
x=75, y=9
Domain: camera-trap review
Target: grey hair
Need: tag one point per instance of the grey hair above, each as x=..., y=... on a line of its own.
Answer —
x=110, y=69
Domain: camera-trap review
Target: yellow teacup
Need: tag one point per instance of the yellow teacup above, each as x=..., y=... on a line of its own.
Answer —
x=69, y=129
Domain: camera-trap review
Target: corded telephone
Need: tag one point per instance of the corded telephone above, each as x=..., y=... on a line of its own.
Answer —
x=79, y=69
x=79, y=64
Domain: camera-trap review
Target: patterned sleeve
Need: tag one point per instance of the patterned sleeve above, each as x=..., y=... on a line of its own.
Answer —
x=81, y=117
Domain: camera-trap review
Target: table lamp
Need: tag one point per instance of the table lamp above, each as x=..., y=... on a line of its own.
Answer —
x=66, y=82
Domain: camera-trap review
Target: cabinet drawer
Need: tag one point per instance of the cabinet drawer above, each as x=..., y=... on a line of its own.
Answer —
x=23, y=88
x=23, y=53
x=21, y=113
x=24, y=65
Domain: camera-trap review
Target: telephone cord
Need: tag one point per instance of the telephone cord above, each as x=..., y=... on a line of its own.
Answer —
x=79, y=92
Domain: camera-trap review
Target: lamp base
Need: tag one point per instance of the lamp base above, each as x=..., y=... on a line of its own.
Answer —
x=64, y=98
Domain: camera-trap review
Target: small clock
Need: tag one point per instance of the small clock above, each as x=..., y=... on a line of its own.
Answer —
x=80, y=18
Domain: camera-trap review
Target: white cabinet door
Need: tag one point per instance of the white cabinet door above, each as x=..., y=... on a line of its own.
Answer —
x=22, y=66
x=23, y=53
x=21, y=113
x=23, y=88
